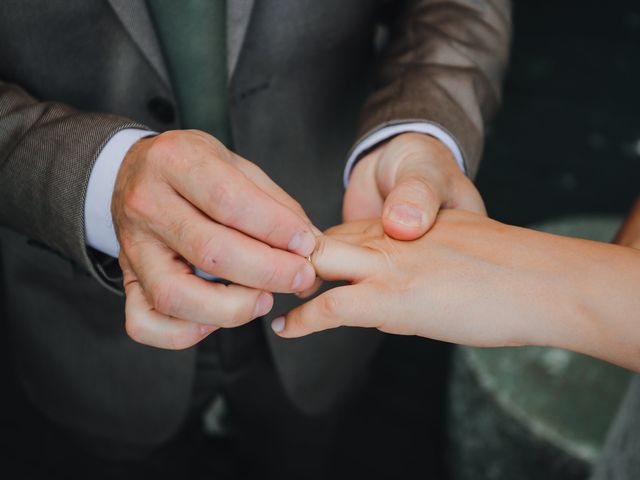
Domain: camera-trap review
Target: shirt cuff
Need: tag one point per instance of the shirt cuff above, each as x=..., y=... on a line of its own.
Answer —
x=98, y=224
x=385, y=133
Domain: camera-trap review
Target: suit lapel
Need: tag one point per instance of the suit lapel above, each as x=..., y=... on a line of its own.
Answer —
x=134, y=16
x=238, y=16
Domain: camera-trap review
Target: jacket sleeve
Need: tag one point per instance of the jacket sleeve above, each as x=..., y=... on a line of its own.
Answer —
x=47, y=151
x=443, y=63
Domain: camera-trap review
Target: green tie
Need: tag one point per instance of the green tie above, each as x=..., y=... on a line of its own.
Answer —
x=192, y=34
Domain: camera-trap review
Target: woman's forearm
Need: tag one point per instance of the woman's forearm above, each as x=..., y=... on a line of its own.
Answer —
x=596, y=309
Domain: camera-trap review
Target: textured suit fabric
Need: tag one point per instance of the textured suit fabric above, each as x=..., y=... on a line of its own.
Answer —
x=301, y=77
x=452, y=75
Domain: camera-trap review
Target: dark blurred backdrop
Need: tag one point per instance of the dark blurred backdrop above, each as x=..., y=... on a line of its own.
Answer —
x=566, y=141
x=568, y=137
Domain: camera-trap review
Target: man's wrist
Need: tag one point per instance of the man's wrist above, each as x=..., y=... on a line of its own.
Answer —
x=385, y=133
x=99, y=231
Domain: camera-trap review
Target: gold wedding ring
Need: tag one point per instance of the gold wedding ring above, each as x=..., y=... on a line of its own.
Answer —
x=310, y=256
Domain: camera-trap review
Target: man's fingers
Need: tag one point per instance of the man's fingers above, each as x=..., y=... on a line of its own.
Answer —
x=171, y=289
x=418, y=175
x=362, y=198
x=352, y=305
x=312, y=289
x=149, y=327
x=465, y=196
x=218, y=250
x=413, y=204
x=410, y=208
x=338, y=260
x=262, y=180
x=226, y=195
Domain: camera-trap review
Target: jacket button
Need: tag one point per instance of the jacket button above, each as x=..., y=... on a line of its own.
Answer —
x=161, y=109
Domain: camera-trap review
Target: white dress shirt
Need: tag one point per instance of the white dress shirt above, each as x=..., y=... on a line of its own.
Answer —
x=99, y=231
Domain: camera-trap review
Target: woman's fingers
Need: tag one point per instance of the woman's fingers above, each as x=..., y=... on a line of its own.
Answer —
x=335, y=259
x=352, y=305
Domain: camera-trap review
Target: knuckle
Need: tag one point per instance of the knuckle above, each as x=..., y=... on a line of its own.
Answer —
x=206, y=253
x=419, y=188
x=296, y=207
x=373, y=231
x=304, y=320
x=223, y=196
x=319, y=253
x=171, y=151
x=234, y=315
x=181, y=338
x=330, y=305
x=269, y=276
x=179, y=229
x=273, y=233
x=136, y=203
x=250, y=169
x=165, y=299
x=134, y=328
x=127, y=246
x=166, y=145
x=421, y=193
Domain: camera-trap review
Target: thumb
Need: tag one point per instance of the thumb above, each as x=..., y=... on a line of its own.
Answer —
x=410, y=208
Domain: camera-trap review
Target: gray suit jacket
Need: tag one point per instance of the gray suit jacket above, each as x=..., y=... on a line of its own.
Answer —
x=306, y=81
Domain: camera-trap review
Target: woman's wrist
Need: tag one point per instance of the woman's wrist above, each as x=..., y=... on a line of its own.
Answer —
x=554, y=290
x=602, y=301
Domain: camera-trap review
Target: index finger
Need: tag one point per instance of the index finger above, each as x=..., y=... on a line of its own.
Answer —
x=263, y=181
x=226, y=195
x=348, y=306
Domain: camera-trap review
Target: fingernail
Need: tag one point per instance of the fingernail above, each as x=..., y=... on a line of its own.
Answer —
x=304, y=278
x=405, y=215
x=277, y=324
x=206, y=330
x=302, y=243
x=263, y=305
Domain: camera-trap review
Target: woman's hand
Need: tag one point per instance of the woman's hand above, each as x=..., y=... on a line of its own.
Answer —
x=474, y=281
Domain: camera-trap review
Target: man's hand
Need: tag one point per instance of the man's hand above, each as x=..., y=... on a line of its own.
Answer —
x=406, y=181
x=182, y=200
